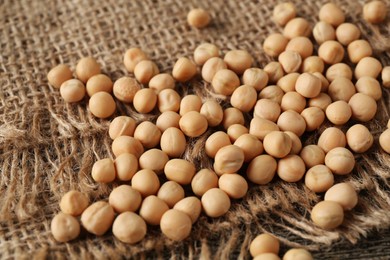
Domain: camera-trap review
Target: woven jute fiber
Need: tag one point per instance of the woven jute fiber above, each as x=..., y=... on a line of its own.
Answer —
x=48, y=147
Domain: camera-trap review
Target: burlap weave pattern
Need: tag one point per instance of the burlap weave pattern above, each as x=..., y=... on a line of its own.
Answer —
x=48, y=147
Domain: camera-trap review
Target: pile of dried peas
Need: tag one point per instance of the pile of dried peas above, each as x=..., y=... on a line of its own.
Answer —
x=288, y=97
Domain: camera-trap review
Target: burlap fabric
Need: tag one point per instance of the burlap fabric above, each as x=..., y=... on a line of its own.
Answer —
x=48, y=147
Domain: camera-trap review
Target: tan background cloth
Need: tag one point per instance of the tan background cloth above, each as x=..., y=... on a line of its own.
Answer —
x=48, y=147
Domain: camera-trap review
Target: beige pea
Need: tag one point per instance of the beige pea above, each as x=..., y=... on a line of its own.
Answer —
x=145, y=100
x=302, y=45
x=340, y=160
x=184, y=69
x=344, y=194
x=368, y=66
x=204, y=52
x=97, y=83
x=212, y=111
x=347, y=33
x=291, y=168
x=153, y=159
x=250, y=145
x=369, y=86
x=145, y=70
x=312, y=64
x=86, y=68
x=215, y=142
x=384, y=140
x=296, y=144
x=171, y=192
x=204, y=180
x=234, y=185
x=312, y=155
x=330, y=138
x=228, y=159
x=238, y=60
x=341, y=89
x=332, y=14
x=148, y=134
x=152, y=210
x=264, y=243
x=145, y=182
x=132, y=57
x=190, y=206
x=102, y=105
x=285, y=120
x=287, y=82
x=256, y=78
x=267, y=109
x=293, y=101
x=283, y=13
x=297, y=254
x=215, y=202
x=277, y=144
x=324, y=81
x=193, y=124
x=274, y=93
x=225, y=82
x=125, y=89
x=260, y=127
x=198, y=18
x=190, y=103
x=168, y=119
x=173, y=142
x=359, y=138
x=290, y=60
x=72, y=90
x=308, y=85
x=261, y=169
x=103, y=171
x=124, y=198
x=338, y=112
x=58, y=75
x=358, y=50
x=176, y=225
x=64, y=227
x=121, y=125
x=331, y=52
x=319, y=178
x=297, y=27
x=386, y=76
x=232, y=116
x=235, y=131
x=127, y=144
x=339, y=70
x=327, y=215
x=98, y=218
x=74, y=203
x=267, y=256
x=275, y=44
x=211, y=67
x=244, y=98
x=274, y=70
x=161, y=81
x=363, y=107
x=374, y=12
x=126, y=165
x=129, y=228
x=180, y=171
x=323, y=32
x=314, y=117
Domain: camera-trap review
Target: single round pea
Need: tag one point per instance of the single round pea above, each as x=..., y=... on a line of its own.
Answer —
x=145, y=100
x=234, y=185
x=250, y=145
x=184, y=69
x=190, y=206
x=267, y=256
x=238, y=60
x=211, y=67
x=260, y=127
x=176, y=225
x=327, y=215
x=198, y=18
x=148, y=134
x=331, y=52
x=341, y=89
x=293, y=101
x=296, y=144
x=332, y=14
x=386, y=76
x=64, y=227
x=126, y=165
x=331, y=138
x=132, y=57
x=232, y=116
x=384, y=140
x=302, y=45
x=321, y=101
x=124, y=198
x=125, y=89
x=297, y=27
x=153, y=159
x=152, y=210
x=285, y=119
x=308, y=85
x=370, y=87
x=171, y=192
x=103, y=171
x=314, y=117
x=98, y=217
x=323, y=32
x=193, y=124
x=72, y=90
x=204, y=52
x=212, y=111
x=261, y=169
x=338, y=70
x=275, y=44
x=190, y=103
x=167, y=119
x=340, y=160
x=374, y=12
x=291, y=168
x=204, y=180
x=359, y=138
x=363, y=107
x=97, y=83
x=290, y=60
x=215, y=142
x=358, y=50
x=297, y=254
x=180, y=171
x=161, y=81
x=256, y=78
x=274, y=70
x=312, y=64
x=277, y=144
x=173, y=142
x=228, y=159
x=215, y=202
x=74, y=203
x=146, y=182
x=338, y=112
x=264, y=243
x=272, y=92
x=368, y=66
x=347, y=33
x=129, y=228
x=58, y=75
x=312, y=155
x=225, y=82
x=127, y=144
x=344, y=194
x=287, y=82
x=267, y=109
x=324, y=81
x=86, y=68
x=121, y=125
x=102, y=105
x=235, y=131
x=145, y=70
x=319, y=178
x=244, y=98
x=283, y=13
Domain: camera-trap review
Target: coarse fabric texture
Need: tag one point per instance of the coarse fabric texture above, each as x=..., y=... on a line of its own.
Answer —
x=48, y=147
